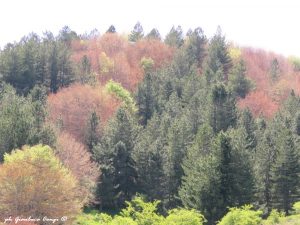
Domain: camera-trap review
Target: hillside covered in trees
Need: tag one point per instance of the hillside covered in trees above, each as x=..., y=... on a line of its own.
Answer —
x=139, y=129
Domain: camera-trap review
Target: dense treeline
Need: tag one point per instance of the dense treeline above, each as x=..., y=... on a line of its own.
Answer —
x=176, y=135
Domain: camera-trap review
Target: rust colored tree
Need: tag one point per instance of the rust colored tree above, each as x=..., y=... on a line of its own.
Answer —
x=76, y=157
x=71, y=108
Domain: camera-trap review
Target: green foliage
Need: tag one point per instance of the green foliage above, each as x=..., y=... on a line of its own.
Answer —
x=175, y=37
x=35, y=60
x=137, y=33
x=122, y=94
x=147, y=64
x=218, y=62
x=22, y=120
x=35, y=153
x=113, y=152
x=144, y=213
x=148, y=154
x=85, y=74
x=296, y=207
x=106, y=64
x=194, y=47
x=125, y=173
x=235, y=53
x=295, y=61
x=111, y=29
x=24, y=190
x=286, y=171
x=238, y=83
x=184, y=217
x=242, y=216
x=273, y=218
x=222, y=113
x=193, y=148
x=154, y=34
x=92, y=134
x=274, y=69
x=145, y=99
x=247, y=122
x=139, y=212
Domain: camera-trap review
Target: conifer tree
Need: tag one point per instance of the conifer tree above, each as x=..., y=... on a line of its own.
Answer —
x=195, y=47
x=247, y=122
x=137, y=33
x=145, y=99
x=125, y=175
x=274, y=69
x=264, y=160
x=218, y=63
x=286, y=171
x=154, y=34
x=92, y=133
x=122, y=128
x=175, y=37
x=222, y=109
x=111, y=29
x=239, y=84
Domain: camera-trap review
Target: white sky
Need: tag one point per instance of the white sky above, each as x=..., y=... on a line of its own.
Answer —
x=269, y=24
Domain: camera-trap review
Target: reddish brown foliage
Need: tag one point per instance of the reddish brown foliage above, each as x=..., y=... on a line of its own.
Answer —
x=125, y=56
x=259, y=103
x=72, y=106
x=268, y=94
x=76, y=157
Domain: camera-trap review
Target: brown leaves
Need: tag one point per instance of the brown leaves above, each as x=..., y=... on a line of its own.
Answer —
x=76, y=157
x=72, y=106
x=124, y=55
x=37, y=185
x=268, y=94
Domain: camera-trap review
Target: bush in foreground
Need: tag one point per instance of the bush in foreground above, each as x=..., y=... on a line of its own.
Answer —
x=33, y=182
x=139, y=212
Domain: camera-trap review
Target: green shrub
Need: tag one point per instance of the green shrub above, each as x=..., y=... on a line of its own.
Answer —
x=273, y=218
x=242, y=216
x=121, y=93
x=184, y=217
x=296, y=207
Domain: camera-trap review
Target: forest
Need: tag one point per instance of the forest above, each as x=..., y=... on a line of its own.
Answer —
x=140, y=129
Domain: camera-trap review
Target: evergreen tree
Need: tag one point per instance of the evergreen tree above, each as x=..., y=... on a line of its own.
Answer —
x=200, y=187
x=247, y=122
x=286, y=171
x=111, y=29
x=274, y=69
x=264, y=159
x=218, y=62
x=178, y=140
x=145, y=99
x=154, y=34
x=41, y=132
x=238, y=83
x=125, y=175
x=195, y=47
x=222, y=109
x=66, y=35
x=137, y=33
x=225, y=167
x=85, y=69
x=175, y=37
x=122, y=128
x=149, y=154
x=54, y=82
x=242, y=164
x=297, y=123
x=93, y=134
